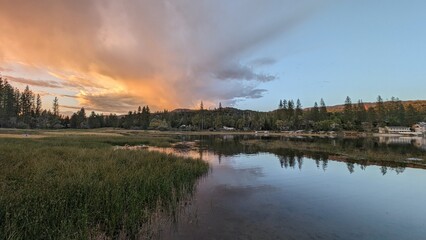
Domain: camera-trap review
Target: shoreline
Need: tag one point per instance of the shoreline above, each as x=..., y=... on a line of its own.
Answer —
x=11, y=132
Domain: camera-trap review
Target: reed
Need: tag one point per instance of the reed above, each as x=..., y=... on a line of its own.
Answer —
x=80, y=188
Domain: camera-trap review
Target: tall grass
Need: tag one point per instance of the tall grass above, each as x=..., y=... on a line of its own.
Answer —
x=80, y=188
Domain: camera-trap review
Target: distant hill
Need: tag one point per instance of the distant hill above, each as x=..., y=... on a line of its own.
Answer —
x=179, y=110
x=417, y=104
x=225, y=109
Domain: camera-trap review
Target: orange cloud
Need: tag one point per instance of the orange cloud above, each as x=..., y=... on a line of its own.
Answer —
x=121, y=54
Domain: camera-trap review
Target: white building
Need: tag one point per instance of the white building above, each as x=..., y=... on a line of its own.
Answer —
x=228, y=128
x=420, y=127
x=397, y=129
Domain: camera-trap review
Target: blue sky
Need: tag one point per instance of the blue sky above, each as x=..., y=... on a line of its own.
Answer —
x=112, y=56
x=356, y=48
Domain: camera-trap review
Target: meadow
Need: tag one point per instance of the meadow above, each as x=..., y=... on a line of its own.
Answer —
x=72, y=186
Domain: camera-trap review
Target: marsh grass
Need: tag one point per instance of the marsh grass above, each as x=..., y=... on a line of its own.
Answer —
x=80, y=188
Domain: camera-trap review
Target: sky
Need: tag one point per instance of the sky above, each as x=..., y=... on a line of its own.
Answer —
x=113, y=56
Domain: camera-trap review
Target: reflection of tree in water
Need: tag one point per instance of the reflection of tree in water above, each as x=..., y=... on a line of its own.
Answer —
x=299, y=161
x=399, y=170
x=283, y=161
x=292, y=161
x=324, y=164
x=384, y=170
x=317, y=161
x=289, y=158
x=227, y=146
x=223, y=146
x=351, y=167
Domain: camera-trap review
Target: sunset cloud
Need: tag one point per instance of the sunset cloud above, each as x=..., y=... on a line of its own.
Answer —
x=31, y=82
x=117, y=55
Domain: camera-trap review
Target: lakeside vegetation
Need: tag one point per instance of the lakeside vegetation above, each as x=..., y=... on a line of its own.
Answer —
x=78, y=187
x=72, y=184
x=364, y=152
x=24, y=110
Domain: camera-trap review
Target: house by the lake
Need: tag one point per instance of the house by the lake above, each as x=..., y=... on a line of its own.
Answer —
x=395, y=130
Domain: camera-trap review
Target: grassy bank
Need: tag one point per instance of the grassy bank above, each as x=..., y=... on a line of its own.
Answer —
x=367, y=155
x=78, y=187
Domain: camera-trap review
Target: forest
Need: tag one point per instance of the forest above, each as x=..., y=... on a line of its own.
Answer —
x=24, y=109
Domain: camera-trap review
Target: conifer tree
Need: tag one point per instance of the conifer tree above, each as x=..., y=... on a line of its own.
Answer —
x=56, y=107
x=315, y=114
x=323, y=110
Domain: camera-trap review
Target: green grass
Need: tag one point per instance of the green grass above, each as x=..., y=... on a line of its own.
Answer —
x=80, y=188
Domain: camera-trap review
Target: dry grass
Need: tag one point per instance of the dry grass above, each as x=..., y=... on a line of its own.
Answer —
x=11, y=135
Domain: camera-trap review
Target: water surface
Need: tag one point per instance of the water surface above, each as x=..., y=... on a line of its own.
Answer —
x=252, y=194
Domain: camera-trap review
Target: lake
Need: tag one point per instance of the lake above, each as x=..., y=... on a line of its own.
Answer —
x=255, y=194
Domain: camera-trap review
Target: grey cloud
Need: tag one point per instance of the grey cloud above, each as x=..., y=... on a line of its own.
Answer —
x=68, y=96
x=80, y=84
x=70, y=107
x=255, y=93
x=38, y=83
x=262, y=62
x=240, y=72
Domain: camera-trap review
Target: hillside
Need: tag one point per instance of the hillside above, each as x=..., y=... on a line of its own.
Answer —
x=419, y=105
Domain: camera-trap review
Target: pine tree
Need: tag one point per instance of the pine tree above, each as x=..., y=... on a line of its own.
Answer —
x=16, y=101
x=380, y=110
x=202, y=115
x=9, y=102
x=290, y=110
x=56, y=107
x=94, y=120
x=145, y=117
x=26, y=103
x=315, y=114
x=38, y=106
x=285, y=105
x=298, y=114
x=280, y=105
x=299, y=110
x=323, y=110
x=361, y=112
x=81, y=118
x=2, y=108
x=348, y=113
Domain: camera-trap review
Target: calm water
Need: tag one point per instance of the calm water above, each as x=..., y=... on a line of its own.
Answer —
x=252, y=194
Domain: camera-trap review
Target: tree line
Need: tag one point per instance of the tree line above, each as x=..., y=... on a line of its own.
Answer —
x=23, y=109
